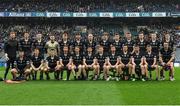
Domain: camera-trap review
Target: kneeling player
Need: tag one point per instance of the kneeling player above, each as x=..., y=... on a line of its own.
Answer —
x=166, y=60
x=36, y=64
x=151, y=60
x=21, y=67
x=53, y=65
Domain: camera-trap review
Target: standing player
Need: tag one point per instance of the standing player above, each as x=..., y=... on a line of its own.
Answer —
x=26, y=45
x=64, y=42
x=117, y=43
x=127, y=68
x=52, y=45
x=53, y=65
x=90, y=42
x=10, y=49
x=21, y=67
x=151, y=61
x=141, y=42
x=39, y=44
x=129, y=42
x=78, y=42
x=169, y=40
x=36, y=64
x=105, y=43
x=166, y=60
x=155, y=45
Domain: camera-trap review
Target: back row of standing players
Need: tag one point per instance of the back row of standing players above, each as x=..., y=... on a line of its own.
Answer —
x=127, y=57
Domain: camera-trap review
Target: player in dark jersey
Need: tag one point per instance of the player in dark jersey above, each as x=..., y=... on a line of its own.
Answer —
x=155, y=44
x=54, y=65
x=137, y=57
x=78, y=41
x=65, y=56
x=114, y=62
x=166, y=60
x=100, y=56
x=89, y=56
x=169, y=40
x=10, y=48
x=106, y=68
x=36, y=64
x=129, y=42
x=105, y=42
x=117, y=43
x=21, y=67
x=151, y=61
x=26, y=45
x=78, y=62
x=39, y=44
x=64, y=42
x=125, y=65
x=141, y=42
x=90, y=43
x=71, y=66
x=96, y=68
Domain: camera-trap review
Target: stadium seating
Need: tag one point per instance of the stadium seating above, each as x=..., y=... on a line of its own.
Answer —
x=90, y=5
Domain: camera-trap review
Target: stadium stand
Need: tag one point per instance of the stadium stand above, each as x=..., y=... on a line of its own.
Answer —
x=90, y=5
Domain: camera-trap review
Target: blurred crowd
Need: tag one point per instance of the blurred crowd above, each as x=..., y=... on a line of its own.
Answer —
x=90, y=5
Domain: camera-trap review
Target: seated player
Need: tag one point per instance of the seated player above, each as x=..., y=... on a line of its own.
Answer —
x=89, y=56
x=127, y=68
x=166, y=60
x=65, y=56
x=144, y=68
x=136, y=60
x=36, y=64
x=96, y=68
x=106, y=68
x=151, y=60
x=21, y=67
x=78, y=62
x=100, y=56
x=114, y=62
x=53, y=65
x=71, y=67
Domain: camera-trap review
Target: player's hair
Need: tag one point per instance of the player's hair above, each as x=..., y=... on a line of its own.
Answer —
x=141, y=32
x=148, y=45
x=12, y=32
x=36, y=49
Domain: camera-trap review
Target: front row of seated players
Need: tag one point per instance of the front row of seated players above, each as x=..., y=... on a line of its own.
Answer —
x=126, y=65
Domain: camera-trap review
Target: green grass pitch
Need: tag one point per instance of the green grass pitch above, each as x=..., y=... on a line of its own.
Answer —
x=91, y=92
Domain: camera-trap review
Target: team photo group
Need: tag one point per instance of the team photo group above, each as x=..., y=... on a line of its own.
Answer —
x=117, y=57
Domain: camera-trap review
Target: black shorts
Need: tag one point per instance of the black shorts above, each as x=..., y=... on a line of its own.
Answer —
x=125, y=71
x=150, y=68
x=52, y=69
